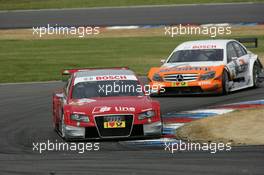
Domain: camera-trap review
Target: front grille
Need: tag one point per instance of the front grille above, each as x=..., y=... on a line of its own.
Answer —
x=91, y=133
x=137, y=130
x=180, y=77
x=114, y=132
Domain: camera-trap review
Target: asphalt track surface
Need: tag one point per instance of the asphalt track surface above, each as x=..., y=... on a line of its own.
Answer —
x=25, y=109
x=26, y=118
x=162, y=15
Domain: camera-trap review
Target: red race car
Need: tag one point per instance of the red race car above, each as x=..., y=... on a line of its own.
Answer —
x=104, y=103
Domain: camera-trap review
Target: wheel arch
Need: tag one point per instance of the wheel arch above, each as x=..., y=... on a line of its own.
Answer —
x=259, y=63
x=228, y=73
x=252, y=63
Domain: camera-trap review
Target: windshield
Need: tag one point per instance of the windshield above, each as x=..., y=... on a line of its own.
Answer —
x=107, y=89
x=196, y=55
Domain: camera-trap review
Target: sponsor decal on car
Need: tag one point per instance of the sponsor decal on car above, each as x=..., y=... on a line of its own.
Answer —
x=186, y=68
x=179, y=84
x=204, y=47
x=104, y=78
x=125, y=109
x=111, y=77
x=201, y=83
x=101, y=109
x=114, y=122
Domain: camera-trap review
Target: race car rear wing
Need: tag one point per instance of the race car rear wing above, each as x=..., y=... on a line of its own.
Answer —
x=248, y=42
x=72, y=71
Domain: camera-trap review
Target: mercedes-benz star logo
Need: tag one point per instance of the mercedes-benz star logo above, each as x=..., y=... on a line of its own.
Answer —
x=179, y=78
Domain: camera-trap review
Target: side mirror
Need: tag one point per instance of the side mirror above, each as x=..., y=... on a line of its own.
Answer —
x=162, y=61
x=65, y=78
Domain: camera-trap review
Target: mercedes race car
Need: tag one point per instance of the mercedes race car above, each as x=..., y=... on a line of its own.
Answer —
x=104, y=104
x=207, y=66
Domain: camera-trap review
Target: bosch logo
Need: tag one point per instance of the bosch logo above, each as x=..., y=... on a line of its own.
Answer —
x=179, y=78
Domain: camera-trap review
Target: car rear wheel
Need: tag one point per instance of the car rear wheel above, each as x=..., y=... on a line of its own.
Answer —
x=225, y=83
x=256, y=72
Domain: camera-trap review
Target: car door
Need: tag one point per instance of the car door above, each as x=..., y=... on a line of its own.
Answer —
x=231, y=60
x=242, y=60
x=237, y=60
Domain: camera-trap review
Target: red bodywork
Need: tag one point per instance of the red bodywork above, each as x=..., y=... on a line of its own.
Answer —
x=65, y=105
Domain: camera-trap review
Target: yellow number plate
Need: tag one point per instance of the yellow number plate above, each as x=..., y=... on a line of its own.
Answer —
x=179, y=84
x=115, y=124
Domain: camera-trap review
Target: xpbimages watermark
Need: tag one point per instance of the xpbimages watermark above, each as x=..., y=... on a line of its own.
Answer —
x=60, y=30
x=209, y=30
x=129, y=88
x=192, y=146
x=78, y=147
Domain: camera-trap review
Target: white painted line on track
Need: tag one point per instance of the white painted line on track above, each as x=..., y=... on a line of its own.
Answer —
x=25, y=83
x=121, y=27
x=216, y=111
x=134, y=6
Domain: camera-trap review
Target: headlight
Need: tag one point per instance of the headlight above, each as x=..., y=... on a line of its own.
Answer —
x=147, y=114
x=80, y=118
x=156, y=77
x=208, y=75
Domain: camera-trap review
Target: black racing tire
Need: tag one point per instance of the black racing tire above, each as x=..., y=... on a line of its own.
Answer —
x=225, y=81
x=255, y=74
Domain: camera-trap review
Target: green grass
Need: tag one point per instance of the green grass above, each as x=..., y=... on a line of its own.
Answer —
x=47, y=4
x=41, y=60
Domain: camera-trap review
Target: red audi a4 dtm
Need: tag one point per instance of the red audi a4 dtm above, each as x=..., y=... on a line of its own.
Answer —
x=104, y=104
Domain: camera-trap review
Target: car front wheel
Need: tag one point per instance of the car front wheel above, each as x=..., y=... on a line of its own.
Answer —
x=256, y=72
x=225, y=83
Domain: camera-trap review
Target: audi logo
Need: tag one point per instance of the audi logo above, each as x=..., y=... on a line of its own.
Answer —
x=113, y=119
